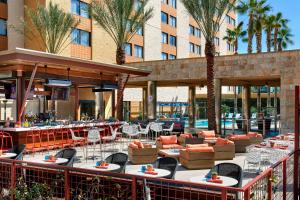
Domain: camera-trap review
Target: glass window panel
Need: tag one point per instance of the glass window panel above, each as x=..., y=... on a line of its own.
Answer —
x=172, y=40
x=3, y=27
x=84, y=10
x=172, y=57
x=138, y=51
x=128, y=49
x=164, y=17
x=173, y=21
x=85, y=38
x=173, y=3
x=164, y=38
x=164, y=56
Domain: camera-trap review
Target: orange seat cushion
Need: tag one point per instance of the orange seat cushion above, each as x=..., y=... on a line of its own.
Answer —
x=186, y=135
x=200, y=149
x=139, y=144
x=254, y=134
x=207, y=134
x=221, y=141
x=165, y=140
x=238, y=137
x=196, y=145
x=133, y=146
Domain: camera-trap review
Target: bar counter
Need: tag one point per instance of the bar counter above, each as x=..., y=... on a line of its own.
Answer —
x=22, y=135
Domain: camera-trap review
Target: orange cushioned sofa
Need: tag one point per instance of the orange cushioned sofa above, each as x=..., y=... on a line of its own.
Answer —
x=140, y=153
x=240, y=141
x=255, y=138
x=224, y=149
x=187, y=138
x=197, y=156
x=207, y=135
x=168, y=142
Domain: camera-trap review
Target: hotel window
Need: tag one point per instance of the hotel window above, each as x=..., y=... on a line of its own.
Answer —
x=128, y=49
x=164, y=56
x=197, y=32
x=138, y=51
x=217, y=41
x=230, y=20
x=164, y=17
x=137, y=4
x=164, y=38
x=173, y=3
x=165, y=1
x=81, y=37
x=197, y=49
x=192, y=48
x=140, y=31
x=173, y=40
x=217, y=53
x=192, y=30
x=3, y=27
x=80, y=8
x=173, y=21
x=172, y=57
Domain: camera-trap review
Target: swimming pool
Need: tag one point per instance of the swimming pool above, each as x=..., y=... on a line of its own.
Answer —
x=202, y=123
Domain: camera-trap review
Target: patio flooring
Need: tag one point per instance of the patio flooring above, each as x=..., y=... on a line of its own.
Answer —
x=182, y=173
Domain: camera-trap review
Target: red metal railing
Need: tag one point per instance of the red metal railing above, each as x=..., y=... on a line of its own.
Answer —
x=77, y=183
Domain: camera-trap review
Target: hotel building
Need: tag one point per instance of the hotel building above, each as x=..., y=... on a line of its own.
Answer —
x=170, y=34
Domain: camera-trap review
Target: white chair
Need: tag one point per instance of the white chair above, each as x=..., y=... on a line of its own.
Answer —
x=93, y=138
x=111, y=138
x=253, y=158
x=230, y=116
x=144, y=131
x=131, y=131
x=156, y=128
x=78, y=141
x=238, y=116
x=169, y=130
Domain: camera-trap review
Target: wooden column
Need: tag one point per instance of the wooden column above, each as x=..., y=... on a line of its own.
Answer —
x=100, y=107
x=113, y=104
x=218, y=101
x=20, y=93
x=246, y=104
x=152, y=99
x=145, y=103
x=258, y=99
x=76, y=104
x=192, y=106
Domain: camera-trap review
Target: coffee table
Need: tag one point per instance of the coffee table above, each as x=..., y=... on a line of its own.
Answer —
x=173, y=153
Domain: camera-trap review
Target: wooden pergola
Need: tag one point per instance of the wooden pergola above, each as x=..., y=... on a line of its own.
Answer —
x=22, y=65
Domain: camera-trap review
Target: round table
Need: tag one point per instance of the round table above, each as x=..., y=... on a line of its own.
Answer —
x=8, y=155
x=227, y=181
x=111, y=167
x=57, y=162
x=160, y=173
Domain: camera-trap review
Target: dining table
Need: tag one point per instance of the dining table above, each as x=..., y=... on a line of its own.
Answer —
x=58, y=161
x=8, y=155
x=159, y=173
x=110, y=167
x=226, y=181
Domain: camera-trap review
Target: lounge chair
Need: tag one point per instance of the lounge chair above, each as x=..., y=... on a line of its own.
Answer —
x=168, y=163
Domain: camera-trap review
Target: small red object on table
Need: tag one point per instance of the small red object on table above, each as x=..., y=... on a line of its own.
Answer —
x=102, y=167
x=215, y=181
x=151, y=172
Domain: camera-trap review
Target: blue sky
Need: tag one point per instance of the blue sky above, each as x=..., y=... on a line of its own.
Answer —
x=291, y=11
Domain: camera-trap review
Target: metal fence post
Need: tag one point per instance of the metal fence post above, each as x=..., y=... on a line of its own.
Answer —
x=224, y=194
x=133, y=188
x=270, y=186
x=13, y=178
x=247, y=194
x=284, y=179
x=67, y=184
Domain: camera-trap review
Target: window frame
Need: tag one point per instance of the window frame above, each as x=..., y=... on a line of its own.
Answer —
x=5, y=27
x=141, y=53
x=171, y=43
x=163, y=39
x=164, y=54
x=78, y=39
x=167, y=17
x=130, y=48
x=78, y=10
x=173, y=19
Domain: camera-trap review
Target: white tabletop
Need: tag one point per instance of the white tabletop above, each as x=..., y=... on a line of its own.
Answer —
x=8, y=155
x=110, y=167
x=227, y=181
x=170, y=152
x=160, y=173
x=57, y=162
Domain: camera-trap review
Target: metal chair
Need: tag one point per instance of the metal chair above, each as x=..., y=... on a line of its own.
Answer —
x=69, y=154
x=170, y=129
x=144, y=131
x=168, y=163
x=111, y=138
x=19, y=150
x=93, y=138
x=253, y=158
x=119, y=159
x=156, y=128
x=78, y=141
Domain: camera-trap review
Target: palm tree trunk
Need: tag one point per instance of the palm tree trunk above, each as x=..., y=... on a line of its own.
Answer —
x=210, y=56
x=275, y=39
x=120, y=59
x=280, y=46
x=250, y=33
x=258, y=41
x=236, y=46
x=269, y=40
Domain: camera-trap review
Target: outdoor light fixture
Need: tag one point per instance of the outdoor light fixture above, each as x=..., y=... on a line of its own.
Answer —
x=105, y=87
x=58, y=83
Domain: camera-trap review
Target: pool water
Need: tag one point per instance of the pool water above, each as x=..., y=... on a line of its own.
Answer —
x=204, y=123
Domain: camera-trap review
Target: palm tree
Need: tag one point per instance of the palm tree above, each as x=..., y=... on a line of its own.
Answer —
x=280, y=23
x=269, y=24
x=121, y=19
x=52, y=25
x=284, y=38
x=234, y=35
x=248, y=7
x=209, y=15
x=260, y=12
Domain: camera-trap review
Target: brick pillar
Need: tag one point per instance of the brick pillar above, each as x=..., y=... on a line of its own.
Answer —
x=152, y=99
x=145, y=103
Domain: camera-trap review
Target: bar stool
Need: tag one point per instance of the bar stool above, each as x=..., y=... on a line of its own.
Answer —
x=5, y=138
x=34, y=134
x=49, y=133
x=65, y=140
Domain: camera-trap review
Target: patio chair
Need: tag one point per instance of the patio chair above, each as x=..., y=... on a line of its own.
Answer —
x=120, y=159
x=156, y=128
x=69, y=154
x=111, y=138
x=253, y=158
x=168, y=163
x=169, y=130
x=230, y=116
x=93, y=138
x=78, y=140
x=238, y=116
x=19, y=150
x=144, y=131
x=230, y=170
x=131, y=131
